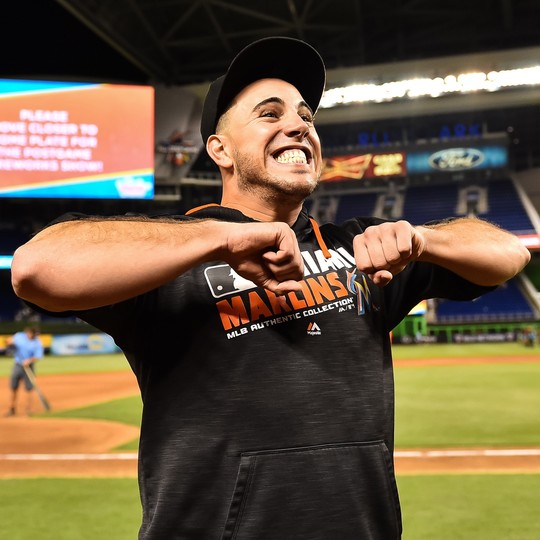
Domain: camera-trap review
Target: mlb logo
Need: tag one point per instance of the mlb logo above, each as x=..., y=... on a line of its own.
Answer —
x=224, y=281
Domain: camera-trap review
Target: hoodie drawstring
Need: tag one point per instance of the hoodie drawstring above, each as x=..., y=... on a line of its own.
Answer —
x=314, y=224
x=319, y=238
x=197, y=208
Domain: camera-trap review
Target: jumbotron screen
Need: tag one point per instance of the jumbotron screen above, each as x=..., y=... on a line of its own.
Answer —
x=76, y=140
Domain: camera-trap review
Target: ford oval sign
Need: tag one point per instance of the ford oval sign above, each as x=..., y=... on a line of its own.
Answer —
x=456, y=159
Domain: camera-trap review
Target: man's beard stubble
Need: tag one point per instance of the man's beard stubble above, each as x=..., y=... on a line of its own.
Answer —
x=272, y=189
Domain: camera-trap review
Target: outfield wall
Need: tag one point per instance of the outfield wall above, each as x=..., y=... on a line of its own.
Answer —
x=416, y=329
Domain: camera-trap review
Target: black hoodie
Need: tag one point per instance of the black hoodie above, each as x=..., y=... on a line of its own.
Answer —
x=265, y=417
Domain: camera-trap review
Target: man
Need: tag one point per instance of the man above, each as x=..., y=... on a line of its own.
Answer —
x=268, y=401
x=28, y=350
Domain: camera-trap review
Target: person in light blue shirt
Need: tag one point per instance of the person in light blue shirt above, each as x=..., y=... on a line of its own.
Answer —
x=28, y=349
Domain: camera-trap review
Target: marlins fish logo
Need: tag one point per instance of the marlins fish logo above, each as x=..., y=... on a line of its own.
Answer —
x=361, y=289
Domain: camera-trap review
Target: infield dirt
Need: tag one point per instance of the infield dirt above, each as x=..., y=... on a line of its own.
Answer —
x=43, y=446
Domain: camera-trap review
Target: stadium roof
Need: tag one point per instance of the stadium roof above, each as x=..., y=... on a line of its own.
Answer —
x=191, y=41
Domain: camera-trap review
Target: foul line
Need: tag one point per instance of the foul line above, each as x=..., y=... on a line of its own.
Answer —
x=67, y=457
x=421, y=454
x=467, y=453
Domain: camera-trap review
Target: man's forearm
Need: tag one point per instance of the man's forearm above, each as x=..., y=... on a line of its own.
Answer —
x=90, y=263
x=85, y=264
x=474, y=249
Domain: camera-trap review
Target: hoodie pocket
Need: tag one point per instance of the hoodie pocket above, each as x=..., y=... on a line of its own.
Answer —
x=331, y=492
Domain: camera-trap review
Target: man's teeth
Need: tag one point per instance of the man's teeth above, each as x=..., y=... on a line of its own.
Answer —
x=292, y=156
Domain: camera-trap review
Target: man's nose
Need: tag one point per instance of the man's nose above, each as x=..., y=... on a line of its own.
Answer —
x=296, y=127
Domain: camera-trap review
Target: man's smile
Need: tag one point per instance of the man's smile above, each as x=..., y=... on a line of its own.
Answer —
x=293, y=155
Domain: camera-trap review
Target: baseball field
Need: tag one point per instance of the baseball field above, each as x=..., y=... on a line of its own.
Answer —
x=467, y=447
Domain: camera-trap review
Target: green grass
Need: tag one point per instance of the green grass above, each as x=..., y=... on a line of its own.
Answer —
x=125, y=410
x=69, y=509
x=117, y=362
x=460, y=405
x=454, y=350
x=92, y=363
x=439, y=406
x=470, y=507
x=130, y=446
x=435, y=507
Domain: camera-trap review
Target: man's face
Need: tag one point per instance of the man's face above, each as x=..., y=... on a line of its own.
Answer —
x=274, y=145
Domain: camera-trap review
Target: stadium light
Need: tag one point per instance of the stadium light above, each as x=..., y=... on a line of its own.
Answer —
x=5, y=261
x=463, y=83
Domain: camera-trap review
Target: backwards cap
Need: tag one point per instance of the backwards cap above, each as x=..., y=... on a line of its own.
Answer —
x=283, y=58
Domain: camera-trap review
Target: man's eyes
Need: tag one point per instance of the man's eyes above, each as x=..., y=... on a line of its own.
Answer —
x=306, y=117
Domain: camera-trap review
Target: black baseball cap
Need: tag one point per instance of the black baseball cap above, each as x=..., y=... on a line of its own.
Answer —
x=285, y=58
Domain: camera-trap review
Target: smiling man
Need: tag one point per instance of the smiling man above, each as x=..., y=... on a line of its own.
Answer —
x=260, y=161
x=268, y=400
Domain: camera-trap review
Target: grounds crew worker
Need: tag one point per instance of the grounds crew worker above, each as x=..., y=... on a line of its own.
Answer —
x=260, y=340
x=28, y=350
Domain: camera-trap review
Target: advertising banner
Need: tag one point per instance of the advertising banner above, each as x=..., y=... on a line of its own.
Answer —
x=457, y=159
x=76, y=140
x=357, y=167
x=73, y=344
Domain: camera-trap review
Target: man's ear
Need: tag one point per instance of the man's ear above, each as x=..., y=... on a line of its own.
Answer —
x=217, y=149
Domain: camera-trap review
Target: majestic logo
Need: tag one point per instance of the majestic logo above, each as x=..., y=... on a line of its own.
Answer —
x=456, y=159
x=313, y=329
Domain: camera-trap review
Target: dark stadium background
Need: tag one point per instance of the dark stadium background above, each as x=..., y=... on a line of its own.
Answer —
x=174, y=43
